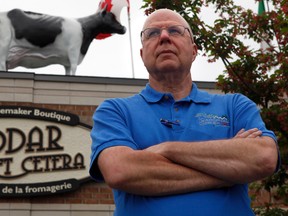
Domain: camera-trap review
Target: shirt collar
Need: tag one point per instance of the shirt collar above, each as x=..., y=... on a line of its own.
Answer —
x=151, y=95
x=196, y=95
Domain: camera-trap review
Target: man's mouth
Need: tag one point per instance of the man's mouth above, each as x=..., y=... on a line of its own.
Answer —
x=165, y=52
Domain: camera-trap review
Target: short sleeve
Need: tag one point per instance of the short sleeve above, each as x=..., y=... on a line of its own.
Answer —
x=109, y=129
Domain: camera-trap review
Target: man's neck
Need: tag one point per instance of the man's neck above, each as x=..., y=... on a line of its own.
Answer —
x=178, y=88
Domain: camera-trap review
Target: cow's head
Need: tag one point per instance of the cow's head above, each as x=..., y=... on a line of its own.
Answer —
x=108, y=24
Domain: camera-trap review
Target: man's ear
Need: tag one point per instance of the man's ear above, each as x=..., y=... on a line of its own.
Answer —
x=141, y=53
x=194, y=51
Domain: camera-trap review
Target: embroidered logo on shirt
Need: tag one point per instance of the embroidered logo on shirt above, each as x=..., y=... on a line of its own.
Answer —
x=212, y=119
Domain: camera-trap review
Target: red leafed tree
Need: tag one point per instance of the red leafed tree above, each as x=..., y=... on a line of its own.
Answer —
x=261, y=73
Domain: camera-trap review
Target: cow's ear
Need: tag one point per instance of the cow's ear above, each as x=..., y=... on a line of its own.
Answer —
x=104, y=10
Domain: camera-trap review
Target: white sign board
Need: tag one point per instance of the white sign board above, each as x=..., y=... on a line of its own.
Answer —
x=42, y=151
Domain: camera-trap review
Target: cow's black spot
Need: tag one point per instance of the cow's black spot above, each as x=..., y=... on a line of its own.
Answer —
x=101, y=22
x=39, y=29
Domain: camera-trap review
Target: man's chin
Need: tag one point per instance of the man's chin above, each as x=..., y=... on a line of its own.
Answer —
x=168, y=65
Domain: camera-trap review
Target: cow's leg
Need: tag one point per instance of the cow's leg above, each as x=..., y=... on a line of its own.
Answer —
x=3, y=64
x=4, y=49
x=70, y=70
x=5, y=40
x=73, y=58
x=73, y=69
x=67, y=70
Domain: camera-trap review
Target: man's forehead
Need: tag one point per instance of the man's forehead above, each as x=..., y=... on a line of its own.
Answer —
x=164, y=18
x=162, y=24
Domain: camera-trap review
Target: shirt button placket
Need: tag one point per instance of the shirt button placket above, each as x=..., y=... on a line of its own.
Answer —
x=176, y=113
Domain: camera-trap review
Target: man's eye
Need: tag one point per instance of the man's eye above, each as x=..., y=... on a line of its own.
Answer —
x=174, y=31
x=153, y=33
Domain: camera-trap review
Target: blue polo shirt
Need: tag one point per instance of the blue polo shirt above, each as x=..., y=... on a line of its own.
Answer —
x=152, y=117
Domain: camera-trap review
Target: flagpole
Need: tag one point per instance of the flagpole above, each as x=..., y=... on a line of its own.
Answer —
x=131, y=48
x=261, y=9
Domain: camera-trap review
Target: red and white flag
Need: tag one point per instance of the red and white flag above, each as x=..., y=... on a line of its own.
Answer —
x=115, y=7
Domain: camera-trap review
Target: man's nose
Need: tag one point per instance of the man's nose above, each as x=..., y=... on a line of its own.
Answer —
x=164, y=35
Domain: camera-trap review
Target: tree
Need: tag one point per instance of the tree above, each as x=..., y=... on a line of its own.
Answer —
x=257, y=72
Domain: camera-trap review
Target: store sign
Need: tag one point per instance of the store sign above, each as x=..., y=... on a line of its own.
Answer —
x=42, y=151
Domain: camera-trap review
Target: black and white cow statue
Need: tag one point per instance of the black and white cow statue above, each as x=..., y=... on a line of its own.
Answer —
x=35, y=40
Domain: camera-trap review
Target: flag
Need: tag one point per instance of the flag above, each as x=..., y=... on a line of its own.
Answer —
x=261, y=9
x=115, y=7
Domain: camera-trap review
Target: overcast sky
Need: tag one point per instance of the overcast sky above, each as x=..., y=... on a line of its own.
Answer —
x=111, y=57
